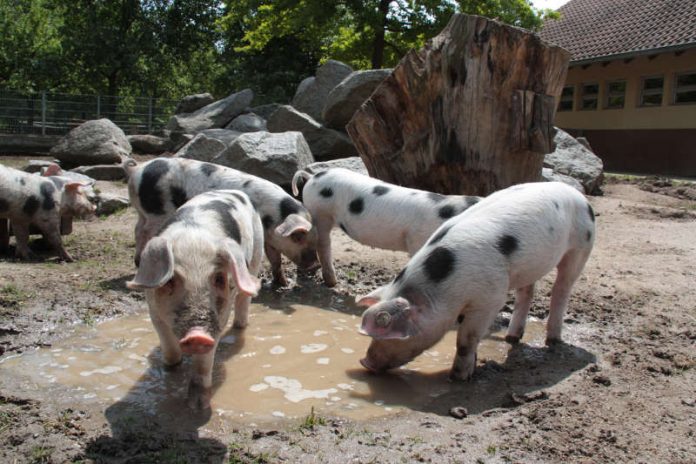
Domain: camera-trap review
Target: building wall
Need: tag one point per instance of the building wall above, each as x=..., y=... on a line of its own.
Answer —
x=658, y=140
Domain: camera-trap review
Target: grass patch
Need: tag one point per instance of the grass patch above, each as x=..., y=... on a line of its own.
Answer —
x=11, y=297
x=41, y=454
x=240, y=455
x=311, y=421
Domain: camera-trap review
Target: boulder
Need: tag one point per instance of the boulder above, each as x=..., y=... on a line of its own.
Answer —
x=354, y=163
x=548, y=175
x=101, y=171
x=178, y=140
x=36, y=165
x=201, y=148
x=191, y=103
x=265, y=111
x=325, y=143
x=98, y=141
x=108, y=203
x=349, y=94
x=216, y=114
x=311, y=94
x=225, y=136
x=247, y=122
x=149, y=144
x=274, y=157
x=572, y=159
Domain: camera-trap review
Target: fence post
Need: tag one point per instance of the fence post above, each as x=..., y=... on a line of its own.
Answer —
x=149, y=115
x=98, y=106
x=43, y=112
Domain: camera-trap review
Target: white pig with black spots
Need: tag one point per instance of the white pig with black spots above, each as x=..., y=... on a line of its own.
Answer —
x=157, y=187
x=373, y=212
x=508, y=241
x=30, y=200
x=206, y=256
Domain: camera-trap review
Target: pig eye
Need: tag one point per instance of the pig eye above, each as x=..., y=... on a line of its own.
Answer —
x=220, y=280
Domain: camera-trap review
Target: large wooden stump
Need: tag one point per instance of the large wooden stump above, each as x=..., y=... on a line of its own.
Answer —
x=470, y=113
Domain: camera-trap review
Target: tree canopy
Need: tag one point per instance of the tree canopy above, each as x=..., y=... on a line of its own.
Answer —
x=168, y=48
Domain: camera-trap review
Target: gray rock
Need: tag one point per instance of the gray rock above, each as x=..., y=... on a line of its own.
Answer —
x=191, y=103
x=325, y=143
x=354, y=163
x=201, y=148
x=349, y=94
x=548, y=175
x=149, y=144
x=274, y=157
x=573, y=159
x=178, y=140
x=584, y=142
x=216, y=114
x=247, y=122
x=98, y=141
x=311, y=94
x=36, y=165
x=225, y=136
x=100, y=171
x=109, y=203
x=265, y=111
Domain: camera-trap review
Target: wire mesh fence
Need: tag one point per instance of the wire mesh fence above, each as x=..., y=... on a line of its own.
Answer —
x=46, y=113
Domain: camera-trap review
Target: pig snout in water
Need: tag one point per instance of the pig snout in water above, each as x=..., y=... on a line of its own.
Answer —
x=197, y=341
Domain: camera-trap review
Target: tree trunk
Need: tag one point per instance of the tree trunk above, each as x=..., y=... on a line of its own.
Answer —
x=378, y=41
x=470, y=113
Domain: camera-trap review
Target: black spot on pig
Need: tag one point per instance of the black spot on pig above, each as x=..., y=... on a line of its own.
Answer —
x=208, y=169
x=507, y=244
x=589, y=236
x=439, y=264
x=326, y=192
x=4, y=205
x=356, y=206
x=149, y=193
x=439, y=235
x=319, y=174
x=267, y=221
x=591, y=212
x=30, y=206
x=288, y=206
x=380, y=190
x=185, y=216
x=178, y=195
x=435, y=197
x=471, y=201
x=228, y=223
x=460, y=319
x=556, y=205
x=400, y=275
x=22, y=182
x=247, y=183
x=239, y=197
x=47, y=190
x=446, y=212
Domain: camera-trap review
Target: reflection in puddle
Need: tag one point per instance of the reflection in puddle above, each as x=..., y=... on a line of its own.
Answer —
x=283, y=364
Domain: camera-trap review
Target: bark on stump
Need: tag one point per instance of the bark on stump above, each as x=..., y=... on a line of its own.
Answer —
x=470, y=113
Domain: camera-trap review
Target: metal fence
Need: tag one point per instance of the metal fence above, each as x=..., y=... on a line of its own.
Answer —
x=48, y=113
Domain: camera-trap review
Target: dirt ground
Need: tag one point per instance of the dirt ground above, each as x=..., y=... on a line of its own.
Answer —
x=622, y=389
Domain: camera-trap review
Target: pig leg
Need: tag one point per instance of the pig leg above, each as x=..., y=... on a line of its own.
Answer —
x=276, y=261
x=200, y=389
x=21, y=232
x=51, y=232
x=4, y=235
x=523, y=301
x=241, y=311
x=324, y=226
x=477, y=320
x=169, y=343
x=569, y=270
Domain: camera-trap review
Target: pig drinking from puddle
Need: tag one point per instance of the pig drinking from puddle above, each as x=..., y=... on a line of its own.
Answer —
x=157, y=187
x=509, y=240
x=27, y=199
x=207, y=255
x=372, y=212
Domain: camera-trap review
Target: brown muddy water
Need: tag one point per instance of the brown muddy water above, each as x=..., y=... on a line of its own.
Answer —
x=283, y=365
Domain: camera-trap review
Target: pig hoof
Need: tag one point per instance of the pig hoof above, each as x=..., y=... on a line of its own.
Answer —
x=240, y=325
x=281, y=281
x=553, y=341
x=513, y=339
x=330, y=282
x=459, y=375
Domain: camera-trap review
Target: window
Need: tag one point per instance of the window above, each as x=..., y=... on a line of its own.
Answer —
x=567, y=97
x=590, y=93
x=615, y=95
x=685, y=88
x=651, y=91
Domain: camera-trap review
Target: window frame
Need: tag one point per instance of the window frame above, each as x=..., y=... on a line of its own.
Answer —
x=642, y=92
x=561, y=100
x=675, y=89
x=608, y=94
x=583, y=95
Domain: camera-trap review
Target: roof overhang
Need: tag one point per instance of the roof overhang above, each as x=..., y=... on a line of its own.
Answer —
x=632, y=54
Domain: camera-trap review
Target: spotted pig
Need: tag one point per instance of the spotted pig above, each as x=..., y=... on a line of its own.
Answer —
x=30, y=200
x=157, y=187
x=372, y=212
x=206, y=255
x=462, y=275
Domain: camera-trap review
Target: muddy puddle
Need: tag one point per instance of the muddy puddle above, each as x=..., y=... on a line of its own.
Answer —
x=282, y=365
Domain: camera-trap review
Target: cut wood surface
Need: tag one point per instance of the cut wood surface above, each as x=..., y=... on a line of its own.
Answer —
x=470, y=113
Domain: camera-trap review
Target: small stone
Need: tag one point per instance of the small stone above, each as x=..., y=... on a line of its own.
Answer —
x=459, y=412
x=602, y=380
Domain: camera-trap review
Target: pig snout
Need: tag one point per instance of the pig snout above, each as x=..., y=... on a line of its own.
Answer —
x=367, y=364
x=196, y=341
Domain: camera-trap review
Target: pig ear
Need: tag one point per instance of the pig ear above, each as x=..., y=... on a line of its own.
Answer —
x=156, y=265
x=243, y=280
x=294, y=225
x=52, y=170
x=374, y=297
x=73, y=187
x=392, y=320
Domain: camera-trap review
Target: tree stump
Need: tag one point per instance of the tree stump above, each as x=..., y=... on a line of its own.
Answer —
x=470, y=113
